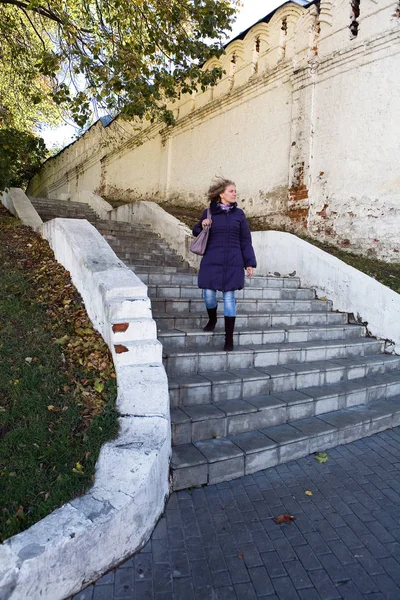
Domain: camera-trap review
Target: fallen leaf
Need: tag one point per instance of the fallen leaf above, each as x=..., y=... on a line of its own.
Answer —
x=99, y=387
x=62, y=340
x=308, y=493
x=240, y=555
x=321, y=457
x=284, y=519
x=20, y=513
x=78, y=469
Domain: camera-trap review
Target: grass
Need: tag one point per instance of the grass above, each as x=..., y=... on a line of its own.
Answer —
x=57, y=383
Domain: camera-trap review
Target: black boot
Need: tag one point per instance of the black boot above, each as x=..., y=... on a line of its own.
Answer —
x=212, y=319
x=229, y=328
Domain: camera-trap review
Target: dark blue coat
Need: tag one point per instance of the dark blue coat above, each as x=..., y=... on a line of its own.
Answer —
x=229, y=249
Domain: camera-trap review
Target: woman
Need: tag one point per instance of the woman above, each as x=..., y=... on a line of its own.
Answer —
x=229, y=251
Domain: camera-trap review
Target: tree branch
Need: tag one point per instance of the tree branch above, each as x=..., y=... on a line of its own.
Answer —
x=39, y=9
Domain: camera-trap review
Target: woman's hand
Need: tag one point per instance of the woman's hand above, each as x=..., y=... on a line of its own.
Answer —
x=206, y=223
x=250, y=271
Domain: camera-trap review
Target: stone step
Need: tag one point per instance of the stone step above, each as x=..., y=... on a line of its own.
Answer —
x=157, y=277
x=176, y=306
x=251, y=292
x=267, y=355
x=65, y=210
x=186, y=321
x=124, y=236
x=49, y=215
x=52, y=203
x=213, y=386
x=230, y=417
x=65, y=207
x=138, y=242
x=140, y=268
x=222, y=459
x=173, y=340
x=146, y=254
x=120, y=228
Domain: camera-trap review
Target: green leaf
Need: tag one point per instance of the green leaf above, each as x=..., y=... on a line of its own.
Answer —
x=99, y=387
x=62, y=340
x=321, y=457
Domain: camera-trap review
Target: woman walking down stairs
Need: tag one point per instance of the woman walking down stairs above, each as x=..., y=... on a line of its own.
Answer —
x=301, y=379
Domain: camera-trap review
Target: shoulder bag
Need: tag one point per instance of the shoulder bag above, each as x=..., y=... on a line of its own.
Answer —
x=199, y=244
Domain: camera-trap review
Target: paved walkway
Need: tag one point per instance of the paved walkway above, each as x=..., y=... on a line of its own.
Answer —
x=221, y=542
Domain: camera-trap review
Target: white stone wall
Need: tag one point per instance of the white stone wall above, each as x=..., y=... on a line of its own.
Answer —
x=351, y=291
x=87, y=536
x=305, y=121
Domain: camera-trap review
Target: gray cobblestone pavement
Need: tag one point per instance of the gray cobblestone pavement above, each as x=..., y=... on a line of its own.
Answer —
x=221, y=542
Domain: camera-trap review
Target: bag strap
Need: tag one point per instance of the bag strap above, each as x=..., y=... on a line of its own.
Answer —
x=208, y=214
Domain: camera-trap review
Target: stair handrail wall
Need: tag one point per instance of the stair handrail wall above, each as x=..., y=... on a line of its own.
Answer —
x=17, y=203
x=350, y=290
x=175, y=233
x=87, y=536
x=100, y=206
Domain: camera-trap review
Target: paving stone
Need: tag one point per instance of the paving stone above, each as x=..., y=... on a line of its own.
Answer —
x=324, y=585
x=221, y=541
x=308, y=558
x=220, y=579
x=103, y=592
x=261, y=582
x=245, y=591
x=284, y=588
x=144, y=590
x=273, y=564
x=143, y=563
x=123, y=585
x=237, y=569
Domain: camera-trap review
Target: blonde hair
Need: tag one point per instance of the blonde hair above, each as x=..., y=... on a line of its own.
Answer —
x=217, y=188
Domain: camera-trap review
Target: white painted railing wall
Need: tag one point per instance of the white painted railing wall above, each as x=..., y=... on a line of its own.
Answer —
x=87, y=536
x=175, y=233
x=350, y=290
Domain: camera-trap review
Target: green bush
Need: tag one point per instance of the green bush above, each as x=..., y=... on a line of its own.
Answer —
x=21, y=154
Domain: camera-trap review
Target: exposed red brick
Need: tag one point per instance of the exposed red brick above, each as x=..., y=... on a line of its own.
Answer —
x=119, y=348
x=298, y=216
x=322, y=213
x=120, y=327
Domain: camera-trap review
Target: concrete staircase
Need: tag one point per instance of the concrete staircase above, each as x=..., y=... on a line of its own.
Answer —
x=49, y=209
x=301, y=379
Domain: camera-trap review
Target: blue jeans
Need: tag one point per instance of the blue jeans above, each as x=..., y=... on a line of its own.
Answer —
x=210, y=299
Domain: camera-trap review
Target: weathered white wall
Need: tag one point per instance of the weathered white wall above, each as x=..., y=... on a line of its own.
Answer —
x=87, y=536
x=304, y=120
x=350, y=290
x=20, y=206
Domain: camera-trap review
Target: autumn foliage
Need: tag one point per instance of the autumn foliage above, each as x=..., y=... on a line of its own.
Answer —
x=57, y=383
